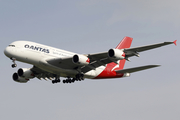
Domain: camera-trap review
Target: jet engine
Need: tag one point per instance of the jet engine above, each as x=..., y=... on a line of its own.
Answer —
x=26, y=73
x=23, y=75
x=17, y=78
x=116, y=54
x=80, y=60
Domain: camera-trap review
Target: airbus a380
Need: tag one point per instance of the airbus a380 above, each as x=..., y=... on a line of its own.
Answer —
x=50, y=63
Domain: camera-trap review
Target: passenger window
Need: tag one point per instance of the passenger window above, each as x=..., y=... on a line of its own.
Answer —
x=11, y=45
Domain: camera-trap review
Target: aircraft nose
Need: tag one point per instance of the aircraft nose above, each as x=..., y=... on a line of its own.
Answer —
x=7, y=51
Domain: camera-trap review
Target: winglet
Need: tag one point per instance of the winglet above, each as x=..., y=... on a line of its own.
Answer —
x=175, y=42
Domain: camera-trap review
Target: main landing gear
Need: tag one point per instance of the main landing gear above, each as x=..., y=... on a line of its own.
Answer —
x=79, y=77
x=69, y=80
x=57, y=80
x=13, y=65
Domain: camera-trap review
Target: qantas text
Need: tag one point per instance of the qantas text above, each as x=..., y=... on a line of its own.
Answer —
x=36, y=48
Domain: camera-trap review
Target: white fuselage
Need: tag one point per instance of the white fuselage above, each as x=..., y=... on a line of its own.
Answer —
x=37, y=54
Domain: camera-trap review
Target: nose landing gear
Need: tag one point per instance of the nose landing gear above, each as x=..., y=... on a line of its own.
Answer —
x=14, y=65
x=13, y=60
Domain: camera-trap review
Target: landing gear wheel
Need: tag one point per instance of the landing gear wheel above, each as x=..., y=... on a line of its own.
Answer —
x=53, y=81
x=13, y=65
x=64, y=81
x=79, y=77
x=56, y=81
x=73, y=80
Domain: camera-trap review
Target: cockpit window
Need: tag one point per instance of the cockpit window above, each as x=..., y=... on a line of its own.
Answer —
x=11, y=45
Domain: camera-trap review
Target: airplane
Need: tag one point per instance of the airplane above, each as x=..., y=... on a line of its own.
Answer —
x=50, y=63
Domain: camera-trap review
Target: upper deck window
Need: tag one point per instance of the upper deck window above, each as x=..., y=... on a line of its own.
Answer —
x=11, y=45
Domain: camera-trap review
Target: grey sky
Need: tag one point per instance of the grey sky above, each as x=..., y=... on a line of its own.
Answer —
x=89, y=26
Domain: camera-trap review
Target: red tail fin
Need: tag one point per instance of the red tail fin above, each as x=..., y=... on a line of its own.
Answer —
x=125, y=43
x=108, y=71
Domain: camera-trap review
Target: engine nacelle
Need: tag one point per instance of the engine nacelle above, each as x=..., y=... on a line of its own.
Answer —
x=80, y=60
x=25, y=73
x=116, y=54
x=17, y=78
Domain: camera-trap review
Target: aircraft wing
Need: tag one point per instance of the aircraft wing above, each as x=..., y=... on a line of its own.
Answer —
x=134, y=51
x=99, y=59
x=136, y=69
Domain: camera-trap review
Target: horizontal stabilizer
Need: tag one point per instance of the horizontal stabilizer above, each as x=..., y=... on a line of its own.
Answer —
x=136, y=69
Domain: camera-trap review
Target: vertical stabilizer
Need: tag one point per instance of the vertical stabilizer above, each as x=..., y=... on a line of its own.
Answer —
x=109, y=71
x=125, y=43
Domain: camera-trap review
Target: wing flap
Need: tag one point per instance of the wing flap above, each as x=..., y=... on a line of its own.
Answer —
x=41, y=74
x=136, y=69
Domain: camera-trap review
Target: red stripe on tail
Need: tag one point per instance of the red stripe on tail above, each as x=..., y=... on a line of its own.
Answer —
x=125, y=43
